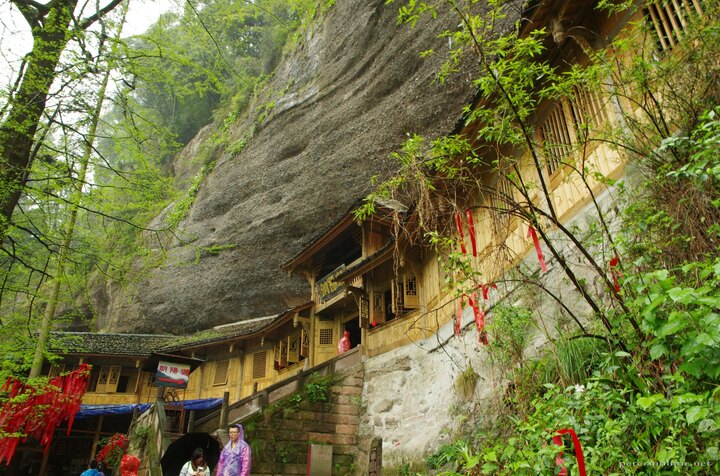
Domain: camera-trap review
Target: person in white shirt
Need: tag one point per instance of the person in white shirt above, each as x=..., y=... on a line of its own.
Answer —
x=197, y=466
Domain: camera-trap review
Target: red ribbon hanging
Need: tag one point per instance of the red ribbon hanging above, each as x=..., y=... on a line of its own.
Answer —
x=486, y=289
x=471, y=231
x=578, y=451
x=43, y=409
x=479, y=319
x=538, y=250
x=459, y=228
x=614, y=273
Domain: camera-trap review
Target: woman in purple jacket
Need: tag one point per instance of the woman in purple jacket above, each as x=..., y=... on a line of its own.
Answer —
x=235, y=457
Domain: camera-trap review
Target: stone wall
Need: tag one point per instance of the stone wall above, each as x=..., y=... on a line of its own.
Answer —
x=410, y=393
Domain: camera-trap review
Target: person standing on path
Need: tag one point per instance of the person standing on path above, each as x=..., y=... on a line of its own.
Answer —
x=235, y=456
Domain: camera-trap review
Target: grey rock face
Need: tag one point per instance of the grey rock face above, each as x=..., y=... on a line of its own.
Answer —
x=344, y=99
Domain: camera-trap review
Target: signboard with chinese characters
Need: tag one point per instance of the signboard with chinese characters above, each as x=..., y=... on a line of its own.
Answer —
x=364, y=312
x=171, y=374
x=327, y=287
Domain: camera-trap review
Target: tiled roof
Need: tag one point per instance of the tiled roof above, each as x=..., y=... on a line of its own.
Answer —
x=108, y=344
x=145, y=344
x=351, y=271
x=233, y=331
x=224, y=332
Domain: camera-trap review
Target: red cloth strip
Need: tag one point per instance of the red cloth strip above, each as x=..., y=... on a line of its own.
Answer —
x=471, y=230
x=59, y=400
x=459, y=228
x=578, y=449
x=486, y=289
x=479, y=319
x=538, y=250
x=613, y=271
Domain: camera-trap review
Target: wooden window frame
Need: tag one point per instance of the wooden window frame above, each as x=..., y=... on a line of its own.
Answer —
x=257, y=365
x=221, y=373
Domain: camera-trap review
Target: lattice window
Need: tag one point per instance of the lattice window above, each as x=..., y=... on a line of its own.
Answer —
x=293, y=348
x=221, y=372
x=326, y=336
x=670, y=18
x=502, y=202
x=326, y=317
x=411, y=299
x=556, y=135
x=569, y=123
x=587, y=108
x=258, y=365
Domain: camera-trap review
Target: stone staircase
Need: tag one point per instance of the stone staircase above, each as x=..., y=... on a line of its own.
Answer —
x=279, y=427
x=280, y=440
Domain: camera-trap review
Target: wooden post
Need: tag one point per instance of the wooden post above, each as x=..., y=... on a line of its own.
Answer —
x=96, y=437
x=43, y=465
x=224, y=410
x=191, y=421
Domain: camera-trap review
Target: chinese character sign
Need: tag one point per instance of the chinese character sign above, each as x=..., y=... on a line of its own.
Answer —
x=170, y=374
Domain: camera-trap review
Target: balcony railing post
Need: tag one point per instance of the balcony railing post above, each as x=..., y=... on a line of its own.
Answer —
x=224, y=410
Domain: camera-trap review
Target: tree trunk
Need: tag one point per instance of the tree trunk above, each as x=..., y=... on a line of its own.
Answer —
x=50, y=36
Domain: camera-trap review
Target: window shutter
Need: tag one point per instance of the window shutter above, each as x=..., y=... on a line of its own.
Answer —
x=305, y=347
x=221, y=372
x=258, y=367
x=378, y=307
x=283, y=353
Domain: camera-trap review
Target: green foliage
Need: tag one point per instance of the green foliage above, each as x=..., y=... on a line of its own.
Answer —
x=683, y=321
x=508, y=330
x=211, y=250
x=318, y=389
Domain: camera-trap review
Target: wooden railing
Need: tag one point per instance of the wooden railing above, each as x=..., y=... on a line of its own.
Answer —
x=157, y=441
x=255, y=403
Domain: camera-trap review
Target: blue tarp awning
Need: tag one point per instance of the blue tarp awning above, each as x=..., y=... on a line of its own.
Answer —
x=87, y=411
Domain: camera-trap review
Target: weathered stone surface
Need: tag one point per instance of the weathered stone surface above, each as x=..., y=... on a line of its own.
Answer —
x=345, y=98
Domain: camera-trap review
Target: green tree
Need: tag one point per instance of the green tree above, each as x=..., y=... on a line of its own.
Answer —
x=52, y=26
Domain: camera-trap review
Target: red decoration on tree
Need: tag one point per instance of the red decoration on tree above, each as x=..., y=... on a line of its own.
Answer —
x=578, y=451
x=35, y=412
x=538, y=250
x=486, y=289
x=613, y=271
x=471, y=230
x=459, y=228
x=479, y=320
